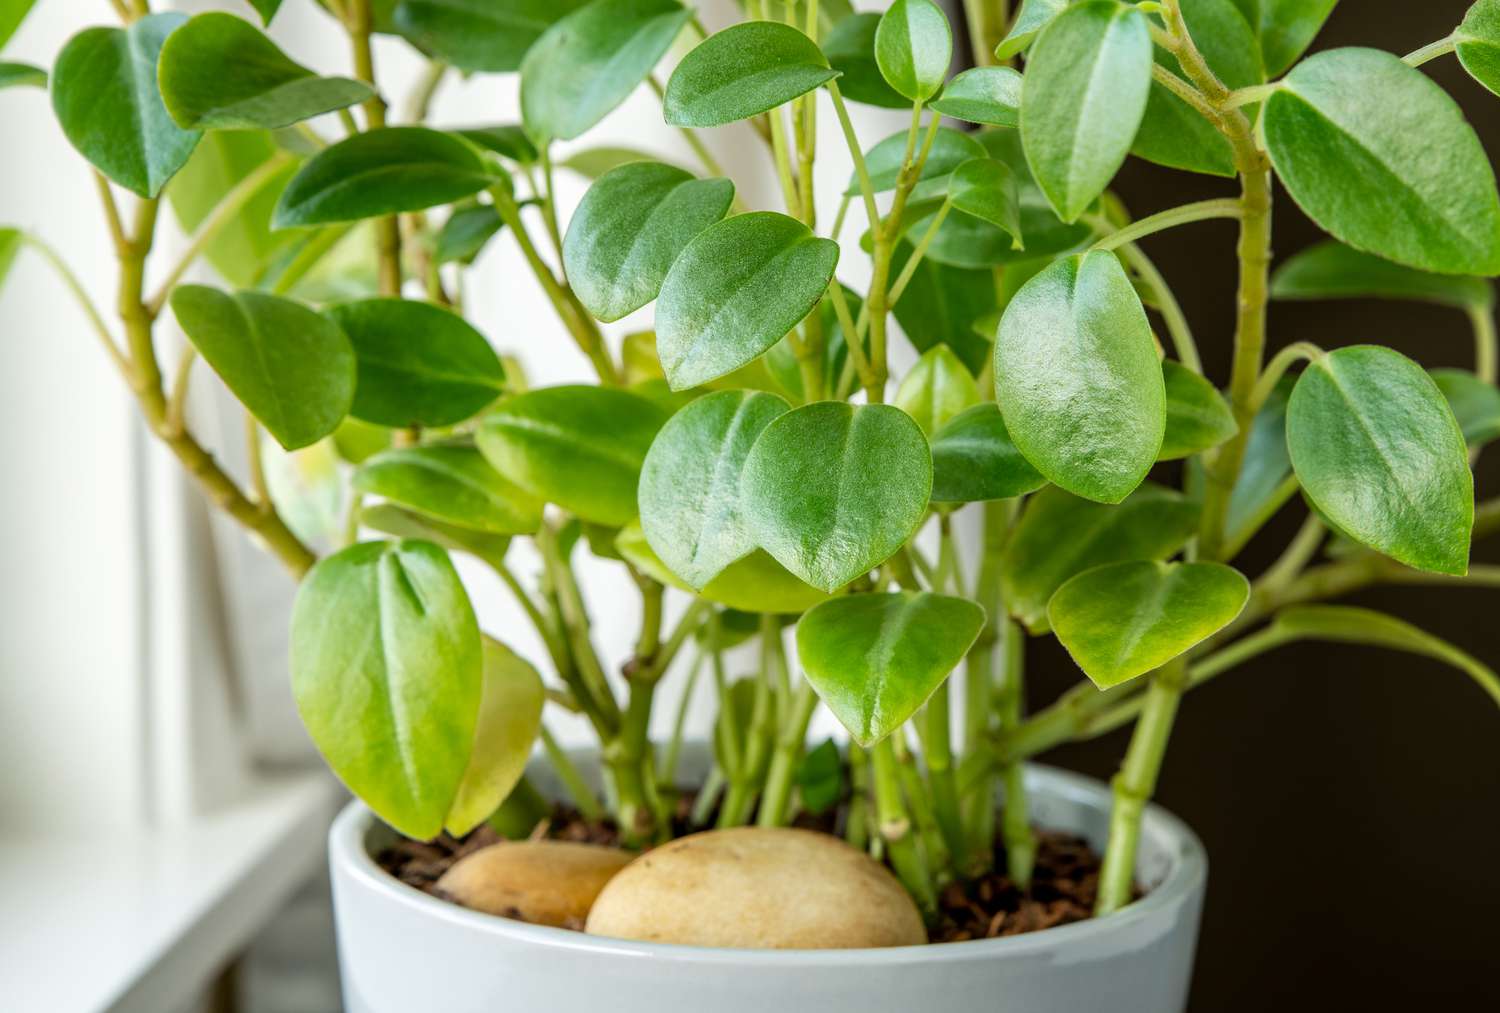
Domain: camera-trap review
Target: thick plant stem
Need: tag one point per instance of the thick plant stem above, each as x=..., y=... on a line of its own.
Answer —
x=987, y=23
x=775, y=803
x=628, y=755
x=857, y=827
x=387, y=229
x=943, y=777
x=1010, y=695
x=745, y=784
x=896, y=827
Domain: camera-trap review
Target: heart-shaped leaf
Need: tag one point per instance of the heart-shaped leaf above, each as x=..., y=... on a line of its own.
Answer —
x=477, y=35
x=913, y=47
x=105, y=96
x=850, y=48
x=874, y=659
x=579, y=447
x=986, y=189
x=1475, y=404
x=1078, y=379
x=393, y=520
x=1351, y=133
x=1331, y=270
x=949, y=150
x=831, y=490
x=990, y=95
x=1287, y=28
x=387, y=672
x=381, y=172
x=754, y=583
x=290, y=367
x=1378, y=452
x=591, y=60
x=452, y=484
x=510, y=715
x=1477, y=42
x=419, y=364
x=218, y=71
x=735, y=291
x=1126, y=619
x=18, y=75
x=1262, y=486
x=974, y=458
x=741, y=72
x=1084, y=94
x=1060, y=535
x=1198, y=417
x=936, y=389
x=1031, y=19
x=630, y=227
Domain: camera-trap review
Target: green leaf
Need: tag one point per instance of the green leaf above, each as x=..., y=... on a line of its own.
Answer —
x=393, y=520
x=591, y=163
x=941, y=304
x=990, y=95
x=1331, y=270
x=1060, y=535
x=387, y=672
x=820, y=778
x=949, y=150
x=1124, y=620
x=832, y=490
x=453, y=484
x=1262, y=487
x=510, y=715
x=289, y=366
x=17, y=75
x=218, y=71
x=1475, y=404
x=12, y=13
x=1287, y=28
x=1351, y=133
x=578, y=447
x=478, y=35
x=986, y=189
x=1031, y=19
x=850, y=48
x=741, y=72
x=419, y=364
x=631, y=225
x=591, y=60
x=465, y=234
x=754, y=583
x=508, y=140
x=381, y=172
x=266, y=9
x=913, y=47
x=974, y=458
x=735, y=291
x=1478, y=43
x=690, y=483
x=1378, y=452
x=936, y=389
x=781, y=358
x=104, y=94
x=1084, y=94
x=874, y=659
x=1198, y=417
x=1078, y=378
x=1044, y=232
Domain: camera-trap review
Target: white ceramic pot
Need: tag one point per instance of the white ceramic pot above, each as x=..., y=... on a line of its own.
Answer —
x=402, y=951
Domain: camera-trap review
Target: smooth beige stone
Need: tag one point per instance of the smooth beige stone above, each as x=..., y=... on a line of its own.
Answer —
x=543, y=882
x=758, y=888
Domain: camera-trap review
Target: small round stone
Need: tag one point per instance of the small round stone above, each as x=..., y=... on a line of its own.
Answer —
x=543, y=882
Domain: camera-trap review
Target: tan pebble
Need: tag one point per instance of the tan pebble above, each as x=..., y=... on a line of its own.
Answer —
x=543, y=882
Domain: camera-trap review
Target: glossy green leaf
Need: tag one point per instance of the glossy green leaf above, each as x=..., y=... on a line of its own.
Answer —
x=1030, y=19
x=936, y=389
x=1475, y=404
x=986, y=189
x=104, y=94
x=820, y=778
x=974, y=458
x=850, y=48
x=874, y=659
x=735, y=291
x=218, y=71
x=18, y=75
x=510, y=715
x=1078, y=379
x=741, y=72
x=508, y=140
x=453, y=484
x=381, y=172
x=1287, y=28
x=1124, y=620
x=755, y=583
x=1331, y=270
x=1477, y=42
x=387, y=672
x=394, y=520
x=990, y=95
x=478, y=35
x=1083, y=97
x=630, y=227
x=832, y=490
x=465, y=234
x=1353, y=134
x=1043, y=231
x=1198, y=417
x=578, y=447
x=289, y=366
x=1262, y=486
x=1060, y=535
x=941, y=304
x=1378, y=452
x=589, y=62
x=690, y=483
x=913, y=47
x=12, y=13
x=950, y=149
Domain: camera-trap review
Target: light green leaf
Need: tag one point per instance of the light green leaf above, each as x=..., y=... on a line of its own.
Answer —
x=913, y=47
x=1331, y=270
x=850, y=48
x=974, y=458
x=631, y=225
x=1124, y=620
x=393, y=520
x=12, y=13
x=1478, y=43
x=387, y=672
x=1475, y=404
x=104, y=94
x=591, y=163
x=1060, y=535
x=936, y=389
x=1084, y=94
x=1378, y=452
x=986, y=188
x=1033, y=16
x=290, y=367
x=741, y=72
x=949, y=150
x=989, y=95
x=735, y=291
x=754, y=583
x=832, y=490
x=1351, y=133
x=478, y=35
x=590, y=61
x=17, y=75
x=579, y=447
x=442, y=379
x=874, y=659
x=1287, y=28
x=510, y=715
x=465, y=234
x=453, y=484
x=1078, y=378
x=381, y=172
x=941, y=304
x=1198, y=417
x=1262, y=487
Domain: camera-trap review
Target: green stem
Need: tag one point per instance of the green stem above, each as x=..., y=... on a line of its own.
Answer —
x=1482, y=319
x=909, y=269
x=1431, y=51
x=667, y=777
x=1222, y=207
x=1010, y=695
x=857, y=827
x=1277, y=367
x=575, y=623
x=360, y=25
x=896, y=829
x=775, y=803
x=75, y=289
x=987, y=22
x=979, y=681
x=573, y=782
x=1171, y=311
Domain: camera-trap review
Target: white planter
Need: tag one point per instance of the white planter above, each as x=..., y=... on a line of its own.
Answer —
x=402, y=951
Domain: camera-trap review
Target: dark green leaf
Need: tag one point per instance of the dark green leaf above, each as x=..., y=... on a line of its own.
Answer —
x=12, y=12
x=850, y=48
x=941, y=304
x=266, y=9
x=478, y=35
x=510, y=714
x=741, y=72
x=1478, y=43
x=1031, y=19
x=1475, y=404
x=974, y=458
x=990, y=95
x=1262, y=487
x=393, y=520
x=986, y=189
x=913, y=47
x=949, y=150
x=16, y=75
x=465, y=233
x=1287, y=28
x=1198, y=417
x=820, y=778
x=936, y=389
x=507, y=140
x=1043, y=231
x=454, y=485
x=1331, y=270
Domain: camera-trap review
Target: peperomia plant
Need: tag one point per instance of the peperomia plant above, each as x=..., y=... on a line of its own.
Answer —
x=752, y=453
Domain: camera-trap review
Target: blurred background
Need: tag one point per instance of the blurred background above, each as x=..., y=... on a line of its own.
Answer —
x=161, y=812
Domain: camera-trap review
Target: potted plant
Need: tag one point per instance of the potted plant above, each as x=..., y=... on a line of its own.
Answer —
x=756, y=469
